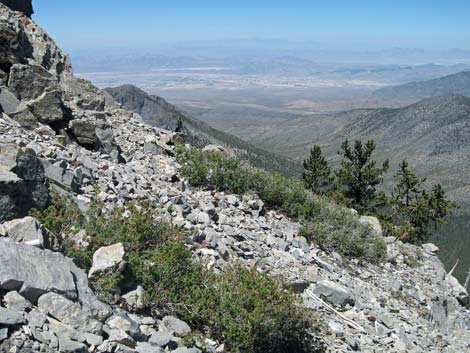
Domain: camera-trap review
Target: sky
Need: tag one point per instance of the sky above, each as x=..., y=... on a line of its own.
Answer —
x=88, y=24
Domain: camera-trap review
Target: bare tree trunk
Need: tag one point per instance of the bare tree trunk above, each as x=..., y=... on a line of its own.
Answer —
x=453, y=268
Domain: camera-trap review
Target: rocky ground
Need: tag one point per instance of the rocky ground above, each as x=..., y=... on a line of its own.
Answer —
x=57, y=132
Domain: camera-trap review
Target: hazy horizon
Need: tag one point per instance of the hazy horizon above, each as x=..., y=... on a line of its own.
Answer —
x=358, y=25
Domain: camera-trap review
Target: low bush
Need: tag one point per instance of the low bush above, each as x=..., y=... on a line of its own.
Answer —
x=248, y=311
x=336, y=229
x=332, y=227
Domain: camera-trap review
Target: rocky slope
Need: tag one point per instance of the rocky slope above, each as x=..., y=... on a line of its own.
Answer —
x=157, y=112
x=79, y=145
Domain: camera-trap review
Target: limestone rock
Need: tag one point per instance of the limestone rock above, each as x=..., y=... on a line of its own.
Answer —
x=27, y=230
x=68, y=312
x=333, y=293
x=176, y=326
x=10, y=317
x=135, y=298
x=34, y=272
x=107, y=258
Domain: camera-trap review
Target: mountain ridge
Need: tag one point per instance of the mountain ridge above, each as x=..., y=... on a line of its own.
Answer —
x=458, y=83
x=157, y=112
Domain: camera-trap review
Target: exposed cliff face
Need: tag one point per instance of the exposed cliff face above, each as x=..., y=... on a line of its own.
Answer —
x=24, y=6
x=57, y=127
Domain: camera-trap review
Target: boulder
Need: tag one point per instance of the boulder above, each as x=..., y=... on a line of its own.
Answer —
x=161, y=338
x=48, y=108
x=176, y=326
x=34, y=272
x=106, y=258
x=14, y=301
x=373, y=223
x=22, y=182
x=333, y=293
x=86, y=96
x=69, y=313
x=105, y=142
x=84, y=131
x=27, y=230
x=10, y=317
x=24, y=6
x=16, y=110
x=135, y=298
x=125, y=324
x=30, y=81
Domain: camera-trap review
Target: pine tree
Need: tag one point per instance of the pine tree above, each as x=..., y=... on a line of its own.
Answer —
x=407, y=185
x=417, y=207
x=359, y=174
x=441, y=207
x=317, y=174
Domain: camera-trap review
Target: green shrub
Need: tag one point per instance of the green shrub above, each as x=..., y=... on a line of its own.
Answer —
x=336, y=229
x=248, y=311
x=331, y=227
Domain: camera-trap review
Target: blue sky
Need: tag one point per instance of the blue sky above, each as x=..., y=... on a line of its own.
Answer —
x=339, y=23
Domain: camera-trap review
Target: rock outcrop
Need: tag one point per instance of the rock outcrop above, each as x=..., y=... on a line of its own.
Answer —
x=82, y=147
x=22, y=182
x=24, y=6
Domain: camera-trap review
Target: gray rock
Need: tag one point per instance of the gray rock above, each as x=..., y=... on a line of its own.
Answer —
x=3, y=334
x=106, y=143
x=124, y=323
x=27, y=230
x=30, y=81
x=152, y=148
x=68, y=346
x=143, y=347
x=34, y=272
x=333, y=293
x=84, y=131
x=24, y=6
x=8, y=101
x=11, y=317
x=69, y=313
x=93, y=340
x=48, y=108
x=430, y=248
x=107, y=258
x=14, y=301
x=24, y=117
x=176, y=326
x=22, y=182
x=161, y=338
x=135, y=298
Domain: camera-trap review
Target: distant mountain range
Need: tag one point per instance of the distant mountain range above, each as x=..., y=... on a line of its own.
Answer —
x=456, y=83
x=157, y=112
